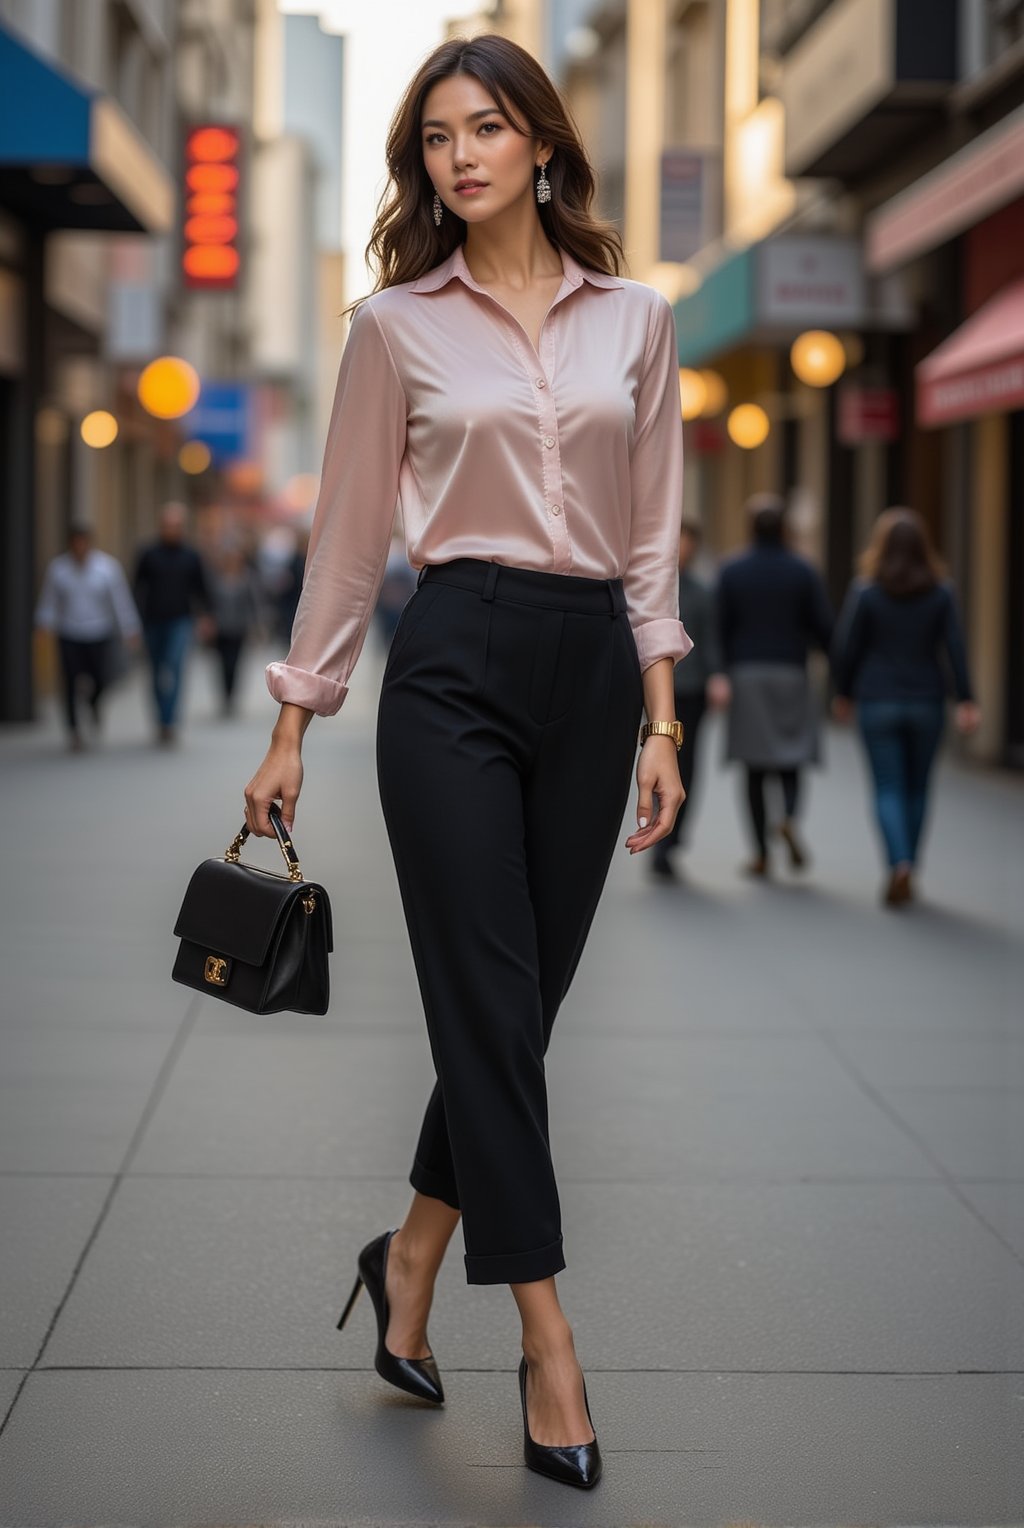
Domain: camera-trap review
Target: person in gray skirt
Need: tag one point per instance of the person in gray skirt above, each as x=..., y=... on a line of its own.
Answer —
x=772, y=608
x=699, y=684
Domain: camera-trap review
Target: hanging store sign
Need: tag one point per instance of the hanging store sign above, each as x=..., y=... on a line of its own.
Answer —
x=210, y=255
x=816, y=282
x=687, y=212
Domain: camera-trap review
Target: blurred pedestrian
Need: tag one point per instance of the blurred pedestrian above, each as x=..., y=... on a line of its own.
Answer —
x=235, y=614
x=170, y=590
x=288, y=586
x=396, y=589
x=897, y=646
x=772, y=608
x=699, y=683
x=86, y=601
x=538, y=459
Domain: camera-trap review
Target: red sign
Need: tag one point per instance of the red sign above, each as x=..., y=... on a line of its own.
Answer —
x=995, y=389
x=210, y=238
x=867, y=413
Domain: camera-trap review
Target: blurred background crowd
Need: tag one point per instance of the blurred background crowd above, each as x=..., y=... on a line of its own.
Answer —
x=829, y=192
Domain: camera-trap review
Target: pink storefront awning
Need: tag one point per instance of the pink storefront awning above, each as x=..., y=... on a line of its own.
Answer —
x=980, y=368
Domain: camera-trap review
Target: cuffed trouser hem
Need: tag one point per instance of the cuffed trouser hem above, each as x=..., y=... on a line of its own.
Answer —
x=516, y=1267
x=433, y=1185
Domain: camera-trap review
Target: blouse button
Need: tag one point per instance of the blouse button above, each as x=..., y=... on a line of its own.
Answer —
x=556, y=509
x=541, y=382
x=549, y=440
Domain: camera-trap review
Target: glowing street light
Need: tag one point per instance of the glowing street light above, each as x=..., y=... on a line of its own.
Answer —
x=818, y=358
x=716, y=394
x=693, y=393
x=168, y=387
x=99, y=429
x=748, y=426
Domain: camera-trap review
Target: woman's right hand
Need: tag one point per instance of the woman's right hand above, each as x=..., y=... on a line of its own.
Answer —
x=279, y=777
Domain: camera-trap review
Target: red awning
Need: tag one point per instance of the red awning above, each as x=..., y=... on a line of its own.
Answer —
x=980, y=368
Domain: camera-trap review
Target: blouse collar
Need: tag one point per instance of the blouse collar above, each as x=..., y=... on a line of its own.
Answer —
x=455, y=265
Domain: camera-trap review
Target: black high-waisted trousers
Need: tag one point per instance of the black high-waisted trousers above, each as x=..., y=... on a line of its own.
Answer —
x=506, y=736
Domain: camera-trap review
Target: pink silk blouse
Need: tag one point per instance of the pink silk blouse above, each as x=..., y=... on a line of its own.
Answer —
x=570, y=461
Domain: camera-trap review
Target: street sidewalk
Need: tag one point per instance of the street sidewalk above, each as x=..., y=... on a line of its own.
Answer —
x=788, y=1127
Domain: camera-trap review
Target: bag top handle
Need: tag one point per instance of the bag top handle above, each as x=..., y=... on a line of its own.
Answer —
x=233, y=852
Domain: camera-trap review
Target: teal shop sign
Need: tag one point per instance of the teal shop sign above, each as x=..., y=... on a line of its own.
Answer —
x=720, y=313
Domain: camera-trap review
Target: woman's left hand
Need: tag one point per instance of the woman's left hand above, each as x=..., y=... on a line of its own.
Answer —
x=657, y=773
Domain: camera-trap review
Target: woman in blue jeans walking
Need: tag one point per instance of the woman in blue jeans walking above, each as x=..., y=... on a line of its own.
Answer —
x=897, y=645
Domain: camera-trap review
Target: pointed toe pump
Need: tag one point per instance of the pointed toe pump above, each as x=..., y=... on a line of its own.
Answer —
x=417, y=1376
x=573, y=1464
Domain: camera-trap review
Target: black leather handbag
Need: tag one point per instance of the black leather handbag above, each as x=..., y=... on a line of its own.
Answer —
x=254, y=937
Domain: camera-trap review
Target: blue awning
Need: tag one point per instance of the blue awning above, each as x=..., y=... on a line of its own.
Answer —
x=69, y=157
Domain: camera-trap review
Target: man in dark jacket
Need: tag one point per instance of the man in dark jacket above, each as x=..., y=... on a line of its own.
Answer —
x=170, y=589
x=699, y=682
x=772, y=608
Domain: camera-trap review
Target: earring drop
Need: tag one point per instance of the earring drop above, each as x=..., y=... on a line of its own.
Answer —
x=438, y=210
x=543, y=186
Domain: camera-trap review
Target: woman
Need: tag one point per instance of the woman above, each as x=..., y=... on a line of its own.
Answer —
x=898, y=623
x=522, y=401
x=772, y=607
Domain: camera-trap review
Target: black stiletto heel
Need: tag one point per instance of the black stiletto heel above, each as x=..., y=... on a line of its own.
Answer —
x=573, y=1464
x=417, y=1376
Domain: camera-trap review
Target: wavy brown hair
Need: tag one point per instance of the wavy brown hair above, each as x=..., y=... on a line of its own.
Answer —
x=405, y=243
x=900, y=557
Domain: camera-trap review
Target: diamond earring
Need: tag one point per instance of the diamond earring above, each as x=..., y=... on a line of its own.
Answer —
x=438, y=210
x=543, y=186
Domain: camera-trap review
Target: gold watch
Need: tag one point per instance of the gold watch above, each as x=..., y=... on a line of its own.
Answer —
x=674, y=730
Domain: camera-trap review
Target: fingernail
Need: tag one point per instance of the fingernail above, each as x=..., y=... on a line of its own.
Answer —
x=643, y=822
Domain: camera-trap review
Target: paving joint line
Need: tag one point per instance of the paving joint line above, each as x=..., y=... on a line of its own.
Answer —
x=156, y=1368
x=155, y=1094
x=891, y=1113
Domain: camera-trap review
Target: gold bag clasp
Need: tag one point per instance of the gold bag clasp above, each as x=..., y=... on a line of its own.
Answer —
x=216, y=972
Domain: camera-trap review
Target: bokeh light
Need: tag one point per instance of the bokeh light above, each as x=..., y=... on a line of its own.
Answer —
x=168, y=387
x=748, y=426
x=716, y=394
x=194, y=457
x=99, y=429
x=693, y=394
x=300, y=492
x=818, y=358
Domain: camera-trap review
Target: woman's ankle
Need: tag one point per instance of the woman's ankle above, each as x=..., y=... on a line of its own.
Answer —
x=553, y=1344
x=413, y=1257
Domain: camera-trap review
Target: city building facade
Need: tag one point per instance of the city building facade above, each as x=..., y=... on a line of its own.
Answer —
x=116, y=118
x=831, y=194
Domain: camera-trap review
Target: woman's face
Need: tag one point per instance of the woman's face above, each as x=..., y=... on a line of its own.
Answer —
x=468, y=137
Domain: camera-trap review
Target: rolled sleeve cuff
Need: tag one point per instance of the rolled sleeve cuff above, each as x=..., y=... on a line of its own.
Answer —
x=297, y=687
x=666, y=638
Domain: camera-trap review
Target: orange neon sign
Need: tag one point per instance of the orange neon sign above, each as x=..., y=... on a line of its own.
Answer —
x=210, y=235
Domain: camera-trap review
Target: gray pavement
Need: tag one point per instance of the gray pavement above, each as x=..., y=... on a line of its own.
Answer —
x=788, y=1127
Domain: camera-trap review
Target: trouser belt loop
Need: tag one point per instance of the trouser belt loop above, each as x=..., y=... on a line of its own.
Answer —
x=615, y=597
x=423, y=574
x=487, y=593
